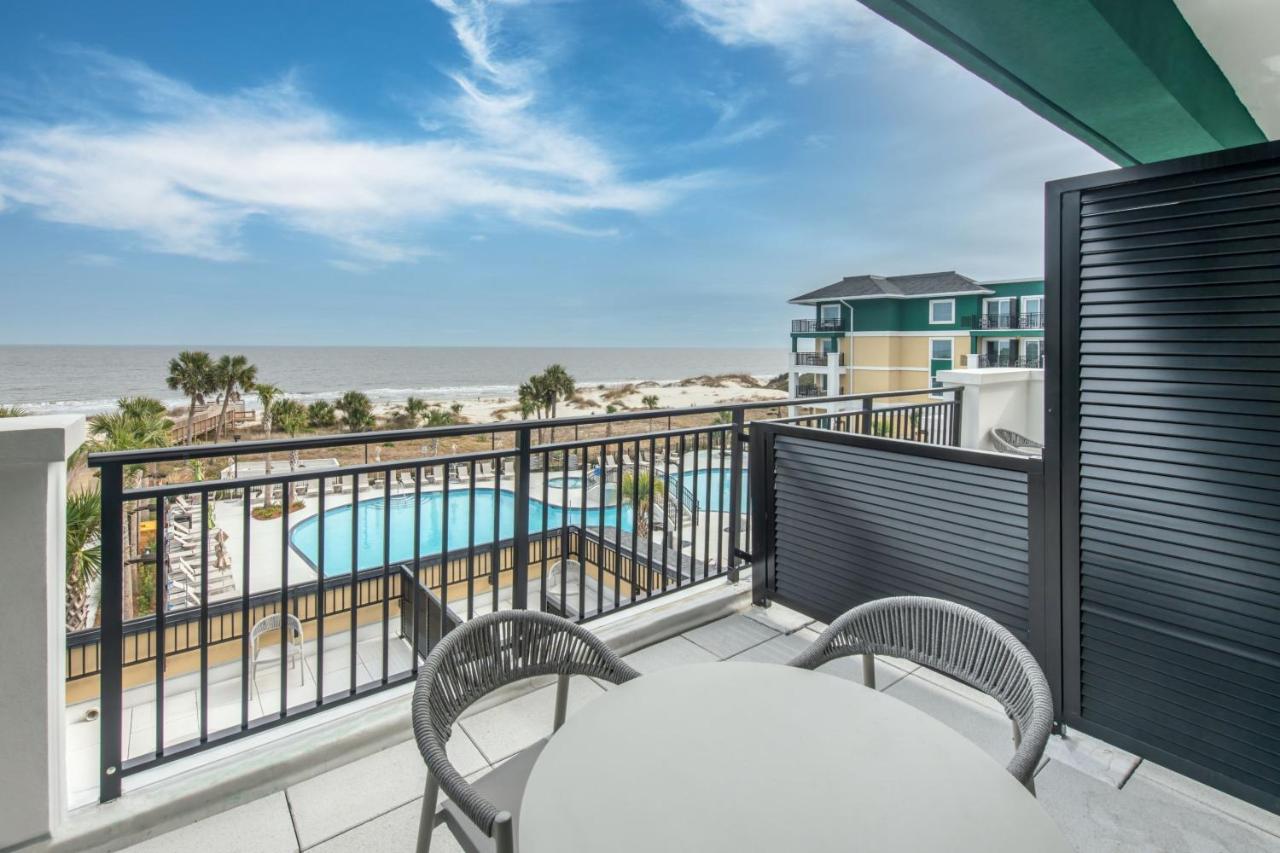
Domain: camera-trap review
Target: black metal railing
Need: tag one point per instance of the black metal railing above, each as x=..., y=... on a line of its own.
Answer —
x=1034, y=362
x=371, y=562
x=799, y=327
x=807, y=391
x=1026, y=320
x=816, y=359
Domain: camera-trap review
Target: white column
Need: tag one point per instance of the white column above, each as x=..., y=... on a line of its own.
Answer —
x=793, y=384
x=1008, y=397
x=33, y=493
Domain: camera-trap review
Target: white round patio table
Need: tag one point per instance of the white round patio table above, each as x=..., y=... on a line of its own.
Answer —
x=742, y=757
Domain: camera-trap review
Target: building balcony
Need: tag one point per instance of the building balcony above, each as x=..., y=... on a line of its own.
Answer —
x=812, y=326
x=1005, y=321
x=817, y=359
x=983, y=360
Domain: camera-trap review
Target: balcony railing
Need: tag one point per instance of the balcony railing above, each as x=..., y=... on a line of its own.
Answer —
x=807, y=391
x=1033, y=320
x=1036, y=362
x=816, y=359
x=371, y=563
x=799, y=327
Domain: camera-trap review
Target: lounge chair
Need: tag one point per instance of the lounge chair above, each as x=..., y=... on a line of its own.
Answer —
x=484, y=471
x=1008, y=441
x=431, y=475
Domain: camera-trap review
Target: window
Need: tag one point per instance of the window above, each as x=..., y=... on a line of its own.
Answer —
x=1032, y=312
x=829, y=317
x=942, y=311
x=940, y=349
x=998, y=312
x=1033, y=351
x=999, y=352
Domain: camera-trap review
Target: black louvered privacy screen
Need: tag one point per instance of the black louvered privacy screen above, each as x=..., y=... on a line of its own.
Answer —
x=1169, y=342
x=850, y=518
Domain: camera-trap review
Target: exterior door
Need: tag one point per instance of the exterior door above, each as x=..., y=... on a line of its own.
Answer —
x=1163, y=451
x=941, y=357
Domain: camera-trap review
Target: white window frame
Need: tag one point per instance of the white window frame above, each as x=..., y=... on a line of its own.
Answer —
x=951, y=345
x=1039, y=296
x=1024, y=342
x=952, y=321
x=987, y=301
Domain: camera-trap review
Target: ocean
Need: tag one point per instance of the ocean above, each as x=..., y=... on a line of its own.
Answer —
x=89, y=379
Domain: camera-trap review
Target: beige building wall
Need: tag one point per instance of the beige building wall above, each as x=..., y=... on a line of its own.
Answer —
x=892, y=362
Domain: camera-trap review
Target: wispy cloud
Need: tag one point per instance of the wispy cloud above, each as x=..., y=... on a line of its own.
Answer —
x=182, y=171
x=799, y=28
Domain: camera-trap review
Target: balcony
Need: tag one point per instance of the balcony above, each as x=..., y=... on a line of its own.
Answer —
x=811, y=391
x=811, y=326
x=1005, y=321
x=983, y=360
x=817, y=359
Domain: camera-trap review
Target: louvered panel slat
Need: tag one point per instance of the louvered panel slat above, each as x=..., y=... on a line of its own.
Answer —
x=1175, y=436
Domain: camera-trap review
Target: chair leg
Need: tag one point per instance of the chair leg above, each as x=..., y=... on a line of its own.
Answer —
x=562, y=701
x=869, y=670
x=504, y=840
x=1031, y=785
x=427, y=820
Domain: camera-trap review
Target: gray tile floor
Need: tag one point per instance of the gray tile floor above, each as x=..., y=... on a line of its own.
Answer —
x=372, y=804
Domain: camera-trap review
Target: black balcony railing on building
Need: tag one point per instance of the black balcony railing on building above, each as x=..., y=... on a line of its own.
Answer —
x=816, y=359
x=799, y=327
x=1033, y=362
x=372, y=562
x=1032, y=320
x=807, y=391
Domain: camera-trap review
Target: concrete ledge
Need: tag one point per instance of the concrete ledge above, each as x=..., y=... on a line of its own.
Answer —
x=245, y=770
x=40, y=439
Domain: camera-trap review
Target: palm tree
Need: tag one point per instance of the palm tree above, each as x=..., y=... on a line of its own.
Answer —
x=290, y=416
x=357, y=410
x=13, y=412
x=559, y=385
x=136, y=426
x=84, y=552
x=649, y=401
x=233, y=375
x=637, y=484
x=192, y=374
x=320, y=415
x=267, y=394
x=414, y=409
x=438, y=418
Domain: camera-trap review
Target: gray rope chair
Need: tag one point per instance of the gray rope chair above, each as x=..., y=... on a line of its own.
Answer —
x=956, y=641
x=473, y=660
x=1008, y=441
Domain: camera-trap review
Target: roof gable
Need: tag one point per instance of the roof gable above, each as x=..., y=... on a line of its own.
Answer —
x=913, y=286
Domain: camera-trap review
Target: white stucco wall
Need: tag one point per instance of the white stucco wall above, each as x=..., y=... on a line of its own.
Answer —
x=1012, y=398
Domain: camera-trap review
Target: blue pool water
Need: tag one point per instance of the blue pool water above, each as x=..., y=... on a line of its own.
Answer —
x=721, y=479
x=305, y=538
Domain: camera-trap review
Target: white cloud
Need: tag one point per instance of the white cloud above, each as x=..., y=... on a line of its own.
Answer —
x=183, y=171
x=798, y=27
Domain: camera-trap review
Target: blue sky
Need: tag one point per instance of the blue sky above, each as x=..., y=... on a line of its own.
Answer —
x=640, y=172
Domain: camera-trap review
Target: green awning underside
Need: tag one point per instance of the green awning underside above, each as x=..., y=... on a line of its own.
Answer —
x=1128, y=77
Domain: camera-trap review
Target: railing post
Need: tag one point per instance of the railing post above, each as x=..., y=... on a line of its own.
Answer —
x=110, y=645
x=956, y=411
x=520, y=569
x=761, y=469
x=868, y=405
x=735, y=491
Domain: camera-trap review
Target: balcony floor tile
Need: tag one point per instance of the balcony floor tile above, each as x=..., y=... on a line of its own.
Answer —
x=673, y=652
x=395, y=830
x=263, y=826
x=508, y=728
x=1141, y=817
x=731, y=635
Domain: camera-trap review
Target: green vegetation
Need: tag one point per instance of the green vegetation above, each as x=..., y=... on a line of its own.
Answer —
x=637, y=485
x=84, y=552
x=649, y=401
x=13, y=412
x=542, y=393
x=357, y=411
x=192, y=373
x=320, y=415
x=233, y=375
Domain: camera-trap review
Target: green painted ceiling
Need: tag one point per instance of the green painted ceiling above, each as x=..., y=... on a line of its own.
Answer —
x=1128, y=77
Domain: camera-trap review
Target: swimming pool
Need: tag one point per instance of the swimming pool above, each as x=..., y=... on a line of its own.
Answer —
x=721, y=480
x=305, y=535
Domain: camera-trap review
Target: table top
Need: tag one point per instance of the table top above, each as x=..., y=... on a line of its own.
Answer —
x=746, y=756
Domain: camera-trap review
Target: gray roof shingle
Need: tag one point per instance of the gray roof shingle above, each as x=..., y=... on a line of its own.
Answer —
x=894, y=286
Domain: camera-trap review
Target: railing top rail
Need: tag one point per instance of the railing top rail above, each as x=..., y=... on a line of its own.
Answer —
x=987, y=458
x=247, y=448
